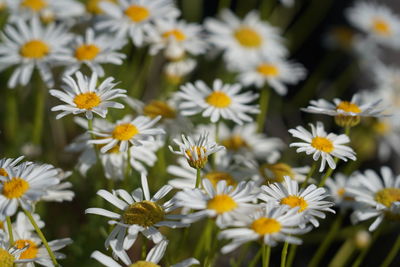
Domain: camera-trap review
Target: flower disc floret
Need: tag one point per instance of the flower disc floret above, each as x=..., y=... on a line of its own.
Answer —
x=145, y=213
x=15, y=188
x=381, y=27
x=222, y=203
x=125, y=131
x=144, y=264
x=6, y=259
x=87, y=100
x=87, y=52
x=219, y=99
x=216, y=176
x=137, y=13
x=266, y=226
x=268, y=70
x=387, y=196
x=159, y=108
x=295, y=201
x=176, y=33
x=248, y=37
x=235, y=143
x=322, y=144
x=3, y=172
x=35, y=5
x=34, y=49
x=31, y=249
x=278, y=171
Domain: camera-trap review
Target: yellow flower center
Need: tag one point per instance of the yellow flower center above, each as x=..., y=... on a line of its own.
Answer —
x=124, y=132
x=381, y=127
x=381, y=27
x=114, y=149
x=248, y=37
x=348, y=107
x=31, y=250
x=322, y=144
x=275, y=173
x=1, y=225
x=216, y=176
x=235, y=143
x=87, y=52
x=268, y=70
x=295, y=201
x=159, y=108
x=6, y=259
x=266, y=226
x=15, y=188
x=3, y=172
x=341, y=192
x=34, y=49
x=201, y=161
x=145, y=213
x=137, y=13
x=35, y=5
x=219, y=99
x=92, y=6
x=87, y=100
x=176, y=33
x=144, y=264
x=387, y=196
x=222, y=203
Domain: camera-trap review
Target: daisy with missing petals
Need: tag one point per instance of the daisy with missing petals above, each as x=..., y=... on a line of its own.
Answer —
x=224, y=203
x=24, y=184
x=85, y=96
x=309, y=202
x=134, y=17
x=346, y=113
x=223, y=100
x=29, y=45
x=197, y=152
x=320, y=144
x=380, y=197
x=10, y=255
x=270, y=224
x=138, y=213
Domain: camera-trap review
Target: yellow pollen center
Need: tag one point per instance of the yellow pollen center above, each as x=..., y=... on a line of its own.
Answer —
x=379, y=127
x=93, y=7
x=87, y=52
x=197, y=161
x=295, y=201
x=176, y=33
x=218, y=99
x=248, y=37
x=387, y=196
x=274, y=173
x=348, y=107
x=6, y=259
x=31, y=250
x=35, y=5
x=381, y=27
x=268, y=70
x=159, y=108
x=144, y=264
x=266, y=226
x=145, y=213
x=322, y=144
x=3, y=172
x=124, y=132
x=235, y=143
x=222, y=203
x=216, y=176
x=87, y=100
x=15, y=188
x=1, y=225
x=34, y=49
x=341, y=191
x=137, y=13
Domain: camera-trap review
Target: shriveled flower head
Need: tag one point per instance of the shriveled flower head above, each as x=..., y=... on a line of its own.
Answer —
x=320, y=144
x=196, y=152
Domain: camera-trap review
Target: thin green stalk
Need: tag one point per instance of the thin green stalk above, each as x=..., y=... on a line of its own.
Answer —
x=292, y=254
x=343, y=254
x=198, y=178
x=327, y=174
x=40, y=234
x=242, y=255
x=392, y=254
x=11, y=120
x=10, y=232
x=264, y=99
x=284, y=254
x=39, y=113
x=309, y=174
x=365, y=251
x=266, y=8
x=254, y=261
x=266, y=254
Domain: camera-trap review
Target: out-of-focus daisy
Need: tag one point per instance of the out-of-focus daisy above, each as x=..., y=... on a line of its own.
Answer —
x=377, y=21
x=243, y=40
x=85, y=96
x=29, y=45
x=311, y=201
x=270, y=223
x=8, y=163
x=24, y=184
x=138, y=213
x=380, y=196
x=346, y=113
x=10, y=255
x=61, y=191
x=341, y=37
x=224, y=202
x=92, y=51
x=337, y=188
x=275, y=172
x=132, y=17
x=93, y=6
x=175, y=71
x=223, y=100
x=287, y=3
x=320, y=144
x=197, y=152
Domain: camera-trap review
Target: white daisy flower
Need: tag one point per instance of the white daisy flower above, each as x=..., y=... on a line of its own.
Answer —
x=85, y=96
x=224, y=202
x=139, y=213
x=197, y=152
x=377, y=21
x=244, y=40
x=380, y=196
x=338, y=189
x=8, y=163
x=346, y=113
x=270, y=224
x=287, y=3
x=320, y=144
x=133, y=17
x=29, y=45
x=24, y=184
x=10, y=255
x=94, y=6
x=93, y=50
x=309, y=201
x=61, y=191
x=175, y=71
x=275, y=172
x=223, y=100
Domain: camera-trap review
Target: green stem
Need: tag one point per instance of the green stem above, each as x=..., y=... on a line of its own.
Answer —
x=343, y=254
x=284, y=254
x=266, y=8
x=392, y=254
x=309, y=174
x=11, y=120
x=266, y=254
x=254, y=261
x=40, y=234
x=365, y=251
x=292, y=254
x=10, y=232
x=39, y=113
x=264, y=99
x=224, y=4
x=198, y=178
x=327, y=174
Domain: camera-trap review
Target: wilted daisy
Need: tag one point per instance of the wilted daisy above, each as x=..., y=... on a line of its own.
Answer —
x=224, y=202
x=85, y=96
x=320, y=144
x=138, y=213
x=222, y=100
x=380, y=196
x=197, y=152
x=29, y=45
x=132, y=17
x=311, y=201
x=346, y=113
x=270, y=224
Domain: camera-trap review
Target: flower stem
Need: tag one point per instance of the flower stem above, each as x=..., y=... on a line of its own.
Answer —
x=40, y=234
x=292, y=254
x=264, y=99
x=343, y=254
x=198, y=178
x=284, y=254
x=327, y=174
x=39, y=113
x=365, y=251
x=266, y=254
x=10, y=232
x=392, y=254
x=255, y=259
x=309, y=174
